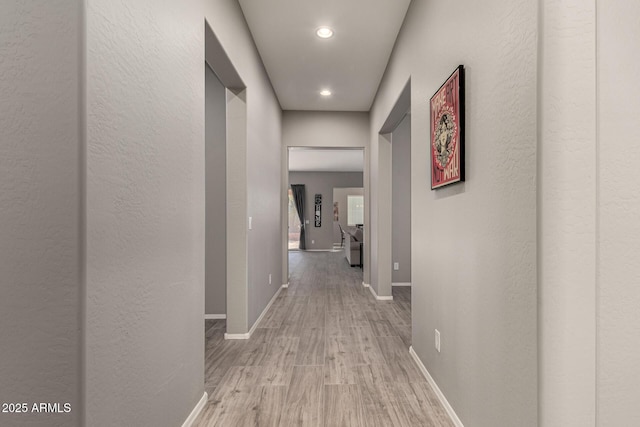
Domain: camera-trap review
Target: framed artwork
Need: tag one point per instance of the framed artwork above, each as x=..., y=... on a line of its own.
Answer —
x=447, y=131
x=318, y=210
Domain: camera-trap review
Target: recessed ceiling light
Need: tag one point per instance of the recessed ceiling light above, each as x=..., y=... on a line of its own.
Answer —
x=325, y=92
x=324, y=32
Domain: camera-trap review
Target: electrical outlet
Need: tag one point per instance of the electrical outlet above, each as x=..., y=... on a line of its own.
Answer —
x=437, y=340
x=313, y=242
x=250, y=222
x=269, y=278
x=396, y=266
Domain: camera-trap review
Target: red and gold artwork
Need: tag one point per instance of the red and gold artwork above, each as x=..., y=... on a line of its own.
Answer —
x=447, y=131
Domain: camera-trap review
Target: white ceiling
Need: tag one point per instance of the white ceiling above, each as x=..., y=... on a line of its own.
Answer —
x=300, y=64
x=324, y=160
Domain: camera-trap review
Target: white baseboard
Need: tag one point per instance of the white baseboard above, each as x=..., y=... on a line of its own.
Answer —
x=215, y=316
x=445, y=403
x=285, y=285
x=318, y=250
x=255, y=325
x=196, y=411
x=379, y=298
x=237, y=336
x=401, y=284
x=373, y=291
x=366, y=285
x=264, y=312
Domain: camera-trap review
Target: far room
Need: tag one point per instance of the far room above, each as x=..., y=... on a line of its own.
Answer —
x=326, y=204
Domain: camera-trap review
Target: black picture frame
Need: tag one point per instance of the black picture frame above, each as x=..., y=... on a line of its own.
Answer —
x=447, y=135
x=318, y=210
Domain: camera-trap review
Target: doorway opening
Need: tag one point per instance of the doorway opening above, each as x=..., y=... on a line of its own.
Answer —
x=395, y=244
x=215, y=191
x=320, y=184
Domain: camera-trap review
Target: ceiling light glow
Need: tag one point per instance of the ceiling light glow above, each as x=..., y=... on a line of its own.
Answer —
x=325, y=92
x=324, y=32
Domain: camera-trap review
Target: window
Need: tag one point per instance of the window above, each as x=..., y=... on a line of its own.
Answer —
x=294, y=224
x=355, y=210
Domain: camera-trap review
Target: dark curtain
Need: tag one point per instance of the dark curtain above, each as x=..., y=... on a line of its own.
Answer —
x=298, y=197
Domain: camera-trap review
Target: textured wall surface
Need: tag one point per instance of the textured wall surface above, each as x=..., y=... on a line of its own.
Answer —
x=325, y=129
x=619, y=213
x=567, y=215
x=145, y=212
x=476, y=242
x=40, y=202
x=234, y=139
x=215, y=292
x=237, y=246
x=323, y=183
x=589, y=335
x=401, y=201
x=381, y=214
x=264, y=178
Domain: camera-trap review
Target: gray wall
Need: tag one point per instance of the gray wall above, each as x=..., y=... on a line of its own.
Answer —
x=340, y=196
x=567, y=216
x=146, y=202
x=322, y=183
x=264, y=176
x=215, y=292
x=145, y=212
x=325, y=129
x=618, y=210
x=474, y=244
x=588, y=214
x=401, y=201
x=40, y=208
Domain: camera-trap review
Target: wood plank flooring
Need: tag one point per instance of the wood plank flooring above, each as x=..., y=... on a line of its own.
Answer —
x=325, y=354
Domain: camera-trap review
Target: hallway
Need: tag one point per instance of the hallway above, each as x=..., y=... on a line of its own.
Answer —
x=326, y=353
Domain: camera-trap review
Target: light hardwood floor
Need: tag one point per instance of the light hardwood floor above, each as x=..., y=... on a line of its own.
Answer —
x=325, y=354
